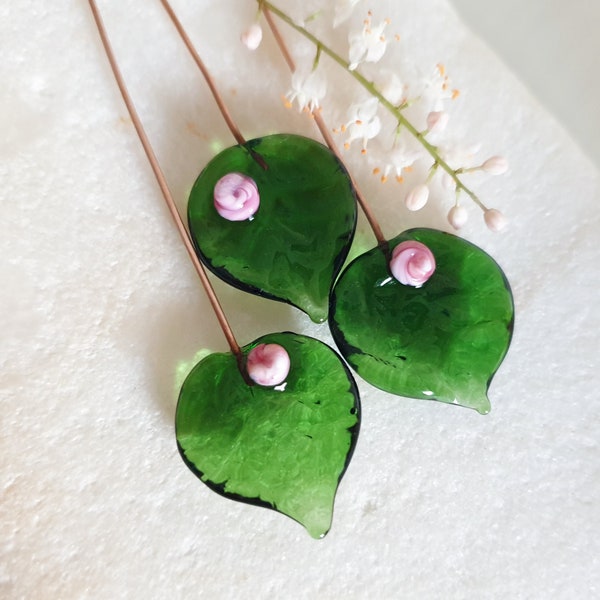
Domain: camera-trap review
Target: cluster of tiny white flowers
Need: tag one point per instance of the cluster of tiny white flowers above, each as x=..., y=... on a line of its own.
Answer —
x=399, y=157
x=389, y=94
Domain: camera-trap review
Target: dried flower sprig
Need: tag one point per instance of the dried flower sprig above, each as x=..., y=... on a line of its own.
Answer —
x=369, y=45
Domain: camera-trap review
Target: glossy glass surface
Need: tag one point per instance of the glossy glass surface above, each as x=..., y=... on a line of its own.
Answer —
x=443, y=341
x=294, y=246
x=285, y=448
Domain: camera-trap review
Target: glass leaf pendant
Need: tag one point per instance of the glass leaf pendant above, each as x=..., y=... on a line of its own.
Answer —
x=443, y=341
x=292, y=248
x=283, y=447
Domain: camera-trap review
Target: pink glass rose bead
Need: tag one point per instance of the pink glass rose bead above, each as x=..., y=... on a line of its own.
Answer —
x=412, y=263
x=268, y=364
x=236, y=197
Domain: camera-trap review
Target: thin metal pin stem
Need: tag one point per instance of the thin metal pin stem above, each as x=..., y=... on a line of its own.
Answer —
x=214, y=301
x=211, y=84
x=207, y=76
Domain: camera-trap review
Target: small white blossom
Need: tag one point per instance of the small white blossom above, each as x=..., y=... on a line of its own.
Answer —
x=364, y=123
x=308, y=89
x=391, y=88
x=494, y=219
x=367, y=45
x=397, y=159
x=458, y=216
x=459, y=155
x=343, y=11
x=252, y=37
x=417, y=197
x=496, y=165
x=437, y=89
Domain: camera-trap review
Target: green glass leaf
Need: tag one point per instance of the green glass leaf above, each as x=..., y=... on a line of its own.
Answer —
x=443, y=341
x=294, y=246
x=285, y=448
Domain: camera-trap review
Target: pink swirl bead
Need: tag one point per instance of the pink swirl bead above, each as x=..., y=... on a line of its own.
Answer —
x=268, y=364
x=412, y=263
x=236, y=197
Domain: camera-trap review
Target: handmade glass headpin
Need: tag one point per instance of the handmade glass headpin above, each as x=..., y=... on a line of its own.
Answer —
x=425, y=314
x=273, y=216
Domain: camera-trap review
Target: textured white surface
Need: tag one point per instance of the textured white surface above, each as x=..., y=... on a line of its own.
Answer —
x=102, y=315
x=552, y=45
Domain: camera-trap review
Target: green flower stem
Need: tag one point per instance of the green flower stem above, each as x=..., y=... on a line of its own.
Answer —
x=432, y=171
x=368, y=85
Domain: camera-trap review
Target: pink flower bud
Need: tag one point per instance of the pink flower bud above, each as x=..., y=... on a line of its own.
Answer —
x=417, y=197
x=458, y=216
x=494, y=219
x=496, y=165
x=252, y=37
x=412, y=263
x=268, y=364
x=437, y=121
x=236, y=197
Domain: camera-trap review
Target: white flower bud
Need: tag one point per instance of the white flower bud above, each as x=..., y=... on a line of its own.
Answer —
x=458, y=216
x=417, y=197
x=437, y=121
x=252, y=37
x=496, y=165
x=447, y=182
x=494, y=219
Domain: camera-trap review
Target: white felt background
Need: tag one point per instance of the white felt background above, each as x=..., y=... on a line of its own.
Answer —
x=102, y=315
